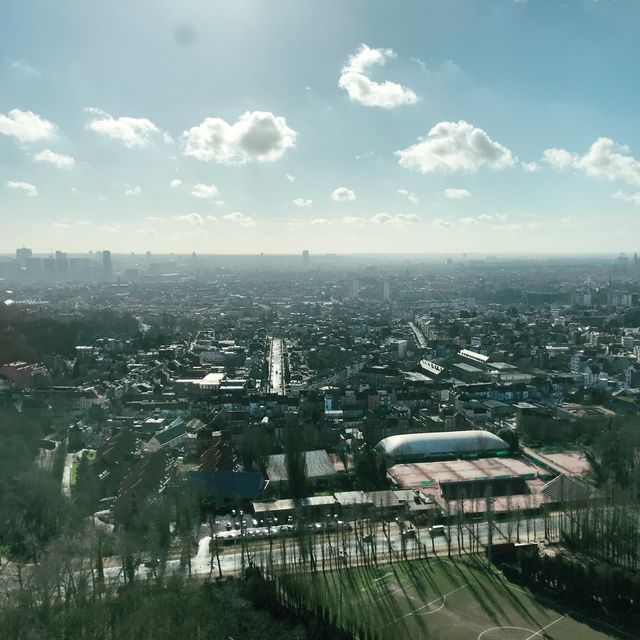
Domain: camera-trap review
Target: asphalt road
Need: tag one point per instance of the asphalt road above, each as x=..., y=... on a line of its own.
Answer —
x=276, y=366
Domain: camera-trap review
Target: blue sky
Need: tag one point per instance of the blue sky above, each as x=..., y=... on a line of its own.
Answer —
x=334, y=125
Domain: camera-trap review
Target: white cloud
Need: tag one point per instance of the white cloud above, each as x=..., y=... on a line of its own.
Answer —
x=441, y=223
x=133, y=191
x=146, y=233
x=194, y=219
x=456, y=194
x=25, y=67
x=175, y=183
x=455, y=146
x=355, y=81
x=302, y=202
x=26, y=126
x=605, y=160
x=559, y=158
x=30, y=189
x=468, y=221
x=530, y=167
x=111, y=227
x=353, y=220
x=321, y=222
x=57, y=159
x=411, y=197
x=342, y=194
x=212, y=218
x=257, y=136
x=289, y=177
x=220, y=203
x=633, y=198
x=132, y=132
x=421, y=63
x=239, y=218
x=205, y=191
x=396, y=220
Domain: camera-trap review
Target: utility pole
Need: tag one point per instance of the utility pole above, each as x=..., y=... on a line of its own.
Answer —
x=490, y=523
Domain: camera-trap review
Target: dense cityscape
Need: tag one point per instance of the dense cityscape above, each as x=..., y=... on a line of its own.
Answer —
x=320, y=320
x=210, y=416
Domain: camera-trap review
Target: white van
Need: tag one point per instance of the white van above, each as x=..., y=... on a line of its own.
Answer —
x=437, y=530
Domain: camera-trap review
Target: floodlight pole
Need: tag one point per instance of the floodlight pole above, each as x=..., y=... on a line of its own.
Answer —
x=490, y=523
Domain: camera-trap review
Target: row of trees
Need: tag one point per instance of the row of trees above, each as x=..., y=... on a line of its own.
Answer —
x=585, y=585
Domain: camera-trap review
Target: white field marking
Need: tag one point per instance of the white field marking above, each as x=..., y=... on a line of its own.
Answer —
x=386, y=575
x=501, y=628
x=537, y=633
x=415, y=611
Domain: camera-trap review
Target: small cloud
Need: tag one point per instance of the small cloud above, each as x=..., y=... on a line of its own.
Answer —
x=26, y=126
x=302, y=202
x=25, y=68
x=468, y=221
x=205, y=191
x=220, y=203
x=364, y=156
x=421, y=63
x=239, y=218
x=132, y=132
x=398, y=220
x=289, y=177
x=212, y=218
x=57, y=159
x=30, y=189
x=354, y=79
x=441, y=223
x=133, y=191
x=455, y=146
x=321, y=222
x=175, y=183
x=154, y=219
x=111, y=227
x=353, y=221
x=194, y=219
x=456, y=194
x=342, y=194
x=633, y=198
x=411, y=197
x=257, y=136
x=530, y=167
x=146, y=233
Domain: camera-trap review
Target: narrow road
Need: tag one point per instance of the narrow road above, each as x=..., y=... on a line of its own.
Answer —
x=276, y=366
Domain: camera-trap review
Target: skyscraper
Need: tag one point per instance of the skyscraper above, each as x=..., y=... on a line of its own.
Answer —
x=107, y=267
x=305, y=258
x=22, y=255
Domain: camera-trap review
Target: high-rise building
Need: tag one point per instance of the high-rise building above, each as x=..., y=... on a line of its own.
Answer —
x=305, y=258
x=22, y=255
x=107, y=266
x=62, y=263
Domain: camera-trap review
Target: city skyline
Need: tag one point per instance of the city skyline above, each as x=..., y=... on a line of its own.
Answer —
x=337, y=128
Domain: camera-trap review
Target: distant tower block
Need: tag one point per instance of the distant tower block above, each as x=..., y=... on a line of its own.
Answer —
x=107, y=266
x=305, y=258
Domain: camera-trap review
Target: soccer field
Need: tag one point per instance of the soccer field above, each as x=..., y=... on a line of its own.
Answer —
x=448, y=599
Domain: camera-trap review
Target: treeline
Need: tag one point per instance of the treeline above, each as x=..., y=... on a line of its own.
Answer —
x=145, y=610
x=583, y=585
x=610, y=533
x=30, y=339
x=32, y=509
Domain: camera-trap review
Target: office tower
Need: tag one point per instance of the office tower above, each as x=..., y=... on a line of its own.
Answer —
x=305, y=258
x=22, y=255
x=107, y=267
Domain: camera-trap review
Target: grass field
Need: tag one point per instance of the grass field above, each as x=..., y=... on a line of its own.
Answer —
x=448, y=599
